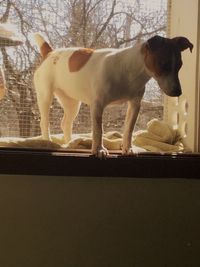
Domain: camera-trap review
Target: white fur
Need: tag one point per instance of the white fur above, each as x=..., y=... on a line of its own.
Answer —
x=109, y=76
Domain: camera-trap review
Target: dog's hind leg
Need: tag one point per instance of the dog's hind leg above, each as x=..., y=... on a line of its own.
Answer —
x=44, y=100
x=44, y=107
x=71, y=108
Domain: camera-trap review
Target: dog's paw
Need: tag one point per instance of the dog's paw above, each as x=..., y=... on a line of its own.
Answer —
x=128, y=151
x=132, y=150
x=100, y=153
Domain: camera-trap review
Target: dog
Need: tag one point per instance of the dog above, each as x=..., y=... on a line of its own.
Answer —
x=103, y=77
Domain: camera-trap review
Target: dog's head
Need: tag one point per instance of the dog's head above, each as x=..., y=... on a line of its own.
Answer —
x=162, y=57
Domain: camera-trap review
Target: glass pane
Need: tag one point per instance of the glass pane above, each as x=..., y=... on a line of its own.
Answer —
x=66, y=23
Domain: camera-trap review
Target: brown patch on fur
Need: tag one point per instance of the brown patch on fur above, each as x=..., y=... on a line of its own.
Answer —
x=150, y=60
x=79, y=58
x=163, y=55
x=45, y=49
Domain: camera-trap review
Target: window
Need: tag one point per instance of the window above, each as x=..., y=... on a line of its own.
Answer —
x=107, y=24
x=96, y=24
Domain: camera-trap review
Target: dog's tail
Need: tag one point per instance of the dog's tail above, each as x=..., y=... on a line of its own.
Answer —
x=43, y=45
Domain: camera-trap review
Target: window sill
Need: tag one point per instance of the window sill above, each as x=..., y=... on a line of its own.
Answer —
x=60, y=163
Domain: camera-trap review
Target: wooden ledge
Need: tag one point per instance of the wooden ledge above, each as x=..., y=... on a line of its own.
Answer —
x=81, y=163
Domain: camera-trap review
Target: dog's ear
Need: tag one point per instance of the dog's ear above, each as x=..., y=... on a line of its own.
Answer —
x=155, y=42
x=183, y=43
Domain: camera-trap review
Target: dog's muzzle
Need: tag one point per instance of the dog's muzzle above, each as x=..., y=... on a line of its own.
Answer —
x=170, y=86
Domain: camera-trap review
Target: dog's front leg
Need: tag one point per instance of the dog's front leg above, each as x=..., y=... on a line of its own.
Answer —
x=97, y=141
x=131, y=117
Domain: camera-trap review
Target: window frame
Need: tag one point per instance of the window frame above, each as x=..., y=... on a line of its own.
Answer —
x=21, y=161
x=186, y=120
x=60, y=163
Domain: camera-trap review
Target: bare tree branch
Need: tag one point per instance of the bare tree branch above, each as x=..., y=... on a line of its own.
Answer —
x=140, y=35
x=5, y=16
x=105, y=24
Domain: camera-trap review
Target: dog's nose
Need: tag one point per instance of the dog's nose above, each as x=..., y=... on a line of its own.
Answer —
x=176, y=89
x=179, y=93
x=175, y=92
x=172, y=91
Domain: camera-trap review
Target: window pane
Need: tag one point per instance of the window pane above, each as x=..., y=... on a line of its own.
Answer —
x=65, y=23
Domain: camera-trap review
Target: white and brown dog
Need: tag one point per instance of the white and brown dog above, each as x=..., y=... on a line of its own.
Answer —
x=102, y=77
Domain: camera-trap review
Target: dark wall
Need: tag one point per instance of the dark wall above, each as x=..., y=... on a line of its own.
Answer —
x=88, y=222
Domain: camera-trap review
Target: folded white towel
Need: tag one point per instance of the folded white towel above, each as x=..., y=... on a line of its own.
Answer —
x=158, y=137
